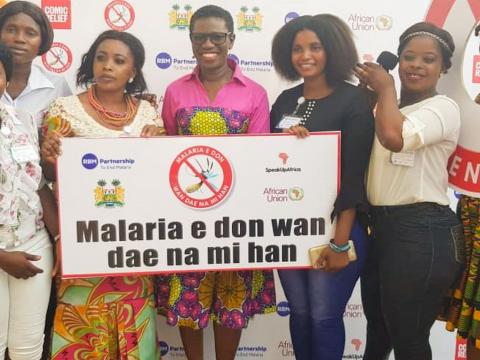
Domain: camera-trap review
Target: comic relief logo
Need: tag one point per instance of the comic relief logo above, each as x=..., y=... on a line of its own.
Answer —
x=360, y=22
x=283, y=309
x=284, y=168
x=119, y=15
x=476, y=69
x=59, y=12
x=180, y=18
x=252, y=65
x=290, y=16
x=201, y=177
x=461, y=349
x=163, y=348
x=58, y=59
x=249, y=20
x=109, y=196
x=89, y=161
x=164, y=61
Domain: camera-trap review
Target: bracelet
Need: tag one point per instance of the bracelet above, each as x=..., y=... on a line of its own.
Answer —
x=56, y=238
x=339, y=248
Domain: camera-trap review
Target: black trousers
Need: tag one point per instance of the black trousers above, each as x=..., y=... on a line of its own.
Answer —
x=413, y=260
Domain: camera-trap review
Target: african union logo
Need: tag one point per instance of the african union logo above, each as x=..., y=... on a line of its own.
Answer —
x=384, y=22
x=295, y=193
x=109, y=196
x=248, y=21
x=180, y=19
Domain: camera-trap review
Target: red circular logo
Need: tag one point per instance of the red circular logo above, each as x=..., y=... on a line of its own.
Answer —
x=58, y=59
x=119, y=15
x=201, y=177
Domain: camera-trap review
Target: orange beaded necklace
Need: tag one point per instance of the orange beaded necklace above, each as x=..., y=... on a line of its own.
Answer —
x=113, y=119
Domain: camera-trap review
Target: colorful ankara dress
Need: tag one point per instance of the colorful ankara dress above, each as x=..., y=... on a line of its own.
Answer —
x=106, y=318
x=230, y=298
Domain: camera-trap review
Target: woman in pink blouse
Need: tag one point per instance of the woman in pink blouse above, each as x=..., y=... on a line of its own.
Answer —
x=215, y=99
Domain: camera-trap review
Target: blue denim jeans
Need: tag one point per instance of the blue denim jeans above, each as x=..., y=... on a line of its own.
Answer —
x=410, y=266
x=317, y=302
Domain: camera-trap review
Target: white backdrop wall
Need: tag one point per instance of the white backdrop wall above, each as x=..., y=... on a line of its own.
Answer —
x=162, y=27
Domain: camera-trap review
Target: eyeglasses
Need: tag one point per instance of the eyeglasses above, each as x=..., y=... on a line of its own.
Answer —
x=217, y=38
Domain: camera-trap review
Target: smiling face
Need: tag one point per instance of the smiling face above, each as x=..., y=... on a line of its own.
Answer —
x=309, y=58
x=420, y=66
x=22, y=35
x=113, y=65
x=209, y=55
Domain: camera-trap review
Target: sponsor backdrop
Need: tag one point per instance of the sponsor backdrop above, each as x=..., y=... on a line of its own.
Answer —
x=376, y=24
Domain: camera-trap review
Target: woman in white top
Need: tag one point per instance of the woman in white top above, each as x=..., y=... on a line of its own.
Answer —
x=415, y=255
x=27, y=32
x=25, y=249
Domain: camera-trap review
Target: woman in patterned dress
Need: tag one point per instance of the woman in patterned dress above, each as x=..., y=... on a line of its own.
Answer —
x=105, y=318
x=216, y=98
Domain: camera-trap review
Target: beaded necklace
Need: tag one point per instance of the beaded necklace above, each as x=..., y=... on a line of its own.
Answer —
x=113, y=119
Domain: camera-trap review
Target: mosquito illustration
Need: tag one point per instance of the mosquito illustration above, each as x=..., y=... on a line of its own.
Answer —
x=205, y=175
x=121, y=15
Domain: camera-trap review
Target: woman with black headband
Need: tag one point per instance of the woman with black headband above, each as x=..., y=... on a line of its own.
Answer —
x=413, y=258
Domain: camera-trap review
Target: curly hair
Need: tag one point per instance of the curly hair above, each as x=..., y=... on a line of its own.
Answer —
x=337, y=41
x=85, y=71
x=443, y=38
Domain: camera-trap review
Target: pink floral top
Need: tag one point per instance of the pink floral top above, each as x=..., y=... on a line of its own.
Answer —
x=20, y=178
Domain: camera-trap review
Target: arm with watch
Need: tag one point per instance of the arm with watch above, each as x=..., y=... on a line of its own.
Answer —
x=337, y=254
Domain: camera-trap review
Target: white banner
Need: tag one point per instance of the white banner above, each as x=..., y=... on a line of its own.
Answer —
x=137, y=205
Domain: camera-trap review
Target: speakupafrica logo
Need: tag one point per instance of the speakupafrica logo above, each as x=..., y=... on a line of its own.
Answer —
x=290, y=16
x=179, y=19
x=89, y=161
x=163, y=60
x=249, y=21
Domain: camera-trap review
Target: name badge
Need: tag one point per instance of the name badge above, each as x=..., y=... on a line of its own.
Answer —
x=24, y=153
x=405, y=158
x=289, y=121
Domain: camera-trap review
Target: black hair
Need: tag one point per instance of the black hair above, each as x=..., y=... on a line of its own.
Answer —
x=7, y=60
x=214, y=11
x=444, y=35
x=26, y=7
x=85, y=71
x=336, y=38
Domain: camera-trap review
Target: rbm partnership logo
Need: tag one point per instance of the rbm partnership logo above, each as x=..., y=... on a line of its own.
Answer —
x=89, y=161
x=290, y=16
x=249, y=20
x=283, y=309
x=163, y=348
x=164, y=61
x=250, y=65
